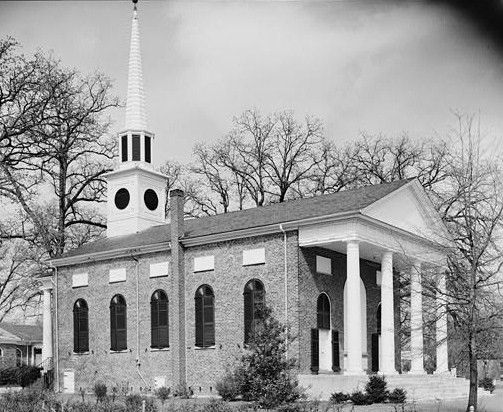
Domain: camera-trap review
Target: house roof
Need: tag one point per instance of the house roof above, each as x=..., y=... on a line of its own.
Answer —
x=24, y=333
x=306, y=208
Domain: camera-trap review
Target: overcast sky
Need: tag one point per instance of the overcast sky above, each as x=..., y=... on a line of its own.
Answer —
x=379, y=66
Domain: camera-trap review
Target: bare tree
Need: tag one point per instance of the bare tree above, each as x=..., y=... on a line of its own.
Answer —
x=62, y=145
x=471, y=204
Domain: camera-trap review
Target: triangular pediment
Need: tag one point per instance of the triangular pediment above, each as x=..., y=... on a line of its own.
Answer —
x=409, y=208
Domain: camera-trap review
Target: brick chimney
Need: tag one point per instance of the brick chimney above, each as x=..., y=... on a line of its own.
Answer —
x=178, y=344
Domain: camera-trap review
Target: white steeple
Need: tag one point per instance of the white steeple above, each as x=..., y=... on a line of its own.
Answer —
x=136, y=117
x=136, y=192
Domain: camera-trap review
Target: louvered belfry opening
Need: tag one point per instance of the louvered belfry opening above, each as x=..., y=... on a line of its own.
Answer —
x=254, y=300
x=205, y=317
x=159, y=318
x=118, y=323
x=80, y=326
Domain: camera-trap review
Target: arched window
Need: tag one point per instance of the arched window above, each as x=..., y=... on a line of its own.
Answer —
x=205, y=317
x=159, y=323
x=118, y=323
x=80, y=326
x=254, y=298
x=323, y=312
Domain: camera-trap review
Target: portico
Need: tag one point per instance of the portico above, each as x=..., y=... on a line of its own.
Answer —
x=400, y=233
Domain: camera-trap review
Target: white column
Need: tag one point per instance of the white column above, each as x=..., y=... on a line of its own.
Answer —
x=387, y=344
x=353, y=341
x=442, y=353
x=47, y=323
x=416, y=319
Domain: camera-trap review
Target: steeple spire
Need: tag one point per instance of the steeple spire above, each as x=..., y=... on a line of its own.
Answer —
x=136, y=117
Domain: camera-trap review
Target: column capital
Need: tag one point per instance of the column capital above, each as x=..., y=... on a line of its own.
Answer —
x=46, y=283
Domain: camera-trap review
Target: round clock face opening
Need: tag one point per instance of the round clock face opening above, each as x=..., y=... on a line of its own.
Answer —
x=122, y=198
x=151, y=200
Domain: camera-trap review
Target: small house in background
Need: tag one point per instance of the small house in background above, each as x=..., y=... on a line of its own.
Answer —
x=20, y=345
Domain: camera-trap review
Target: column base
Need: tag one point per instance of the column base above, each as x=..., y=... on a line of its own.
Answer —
x=388, y=373
x=355, y=373
x=446, y=372
x=417, y=372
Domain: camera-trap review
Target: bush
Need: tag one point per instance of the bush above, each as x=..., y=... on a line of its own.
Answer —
x=487, y=384
x=182, y=391
x=376, y=389
x=100, y=391
x=397, y=395
x=360, y=398
x=264, y=372
x=228, y=387
x=217, y=405
x=339, y=397
x=20, y=375
x=163, y=393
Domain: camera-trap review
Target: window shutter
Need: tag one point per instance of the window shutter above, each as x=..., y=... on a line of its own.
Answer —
x=113, y=328
x=199, y=320
x=76, y=347
x=248, y=313
x=315, y=350
x=375, y=352
x=336, y=366
x=209, y=321
x=154, y=336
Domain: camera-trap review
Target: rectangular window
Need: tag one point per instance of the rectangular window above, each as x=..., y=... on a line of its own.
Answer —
x=203, y=263
x=253, y=256
x=147, y=149
x=136, y=147
x=79, y=279
x=124, y=148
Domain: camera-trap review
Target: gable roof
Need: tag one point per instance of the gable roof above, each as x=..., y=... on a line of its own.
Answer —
x=299, y=209
x=23, y=333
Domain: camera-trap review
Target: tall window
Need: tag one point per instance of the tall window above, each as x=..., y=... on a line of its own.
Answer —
x=80, y=326
x=254, y=296
x=323, y=311
x=159, y=323
x=205, y=317
x=118, y=323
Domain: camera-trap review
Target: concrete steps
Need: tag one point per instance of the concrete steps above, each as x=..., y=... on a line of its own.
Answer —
x=418, y=387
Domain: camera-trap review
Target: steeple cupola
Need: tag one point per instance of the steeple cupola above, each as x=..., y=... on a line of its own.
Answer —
x=135, y=142
x=136, y=192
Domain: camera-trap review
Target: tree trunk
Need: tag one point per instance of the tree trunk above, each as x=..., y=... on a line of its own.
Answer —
x=472, y=358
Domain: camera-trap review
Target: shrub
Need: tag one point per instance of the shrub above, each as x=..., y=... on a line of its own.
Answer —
x=397, y=395
x=487, y=384
x=133, y=401
x=182, y=391
x=163, y=393
x=339, y=397
x=100, y=391
x=376, y=389
x=217, y=405
x=264, y=372
x=228, y=387
x=360, y=398
x=20, y=375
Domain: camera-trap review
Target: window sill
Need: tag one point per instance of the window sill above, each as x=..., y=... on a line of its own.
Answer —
x=119, y=351
x=204, y=347
x=159, y=349
x=81, y=353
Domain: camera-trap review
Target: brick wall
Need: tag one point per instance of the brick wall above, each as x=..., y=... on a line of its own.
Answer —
x=100, y=364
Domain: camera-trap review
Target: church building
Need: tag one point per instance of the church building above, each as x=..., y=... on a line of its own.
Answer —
x=159, y=303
